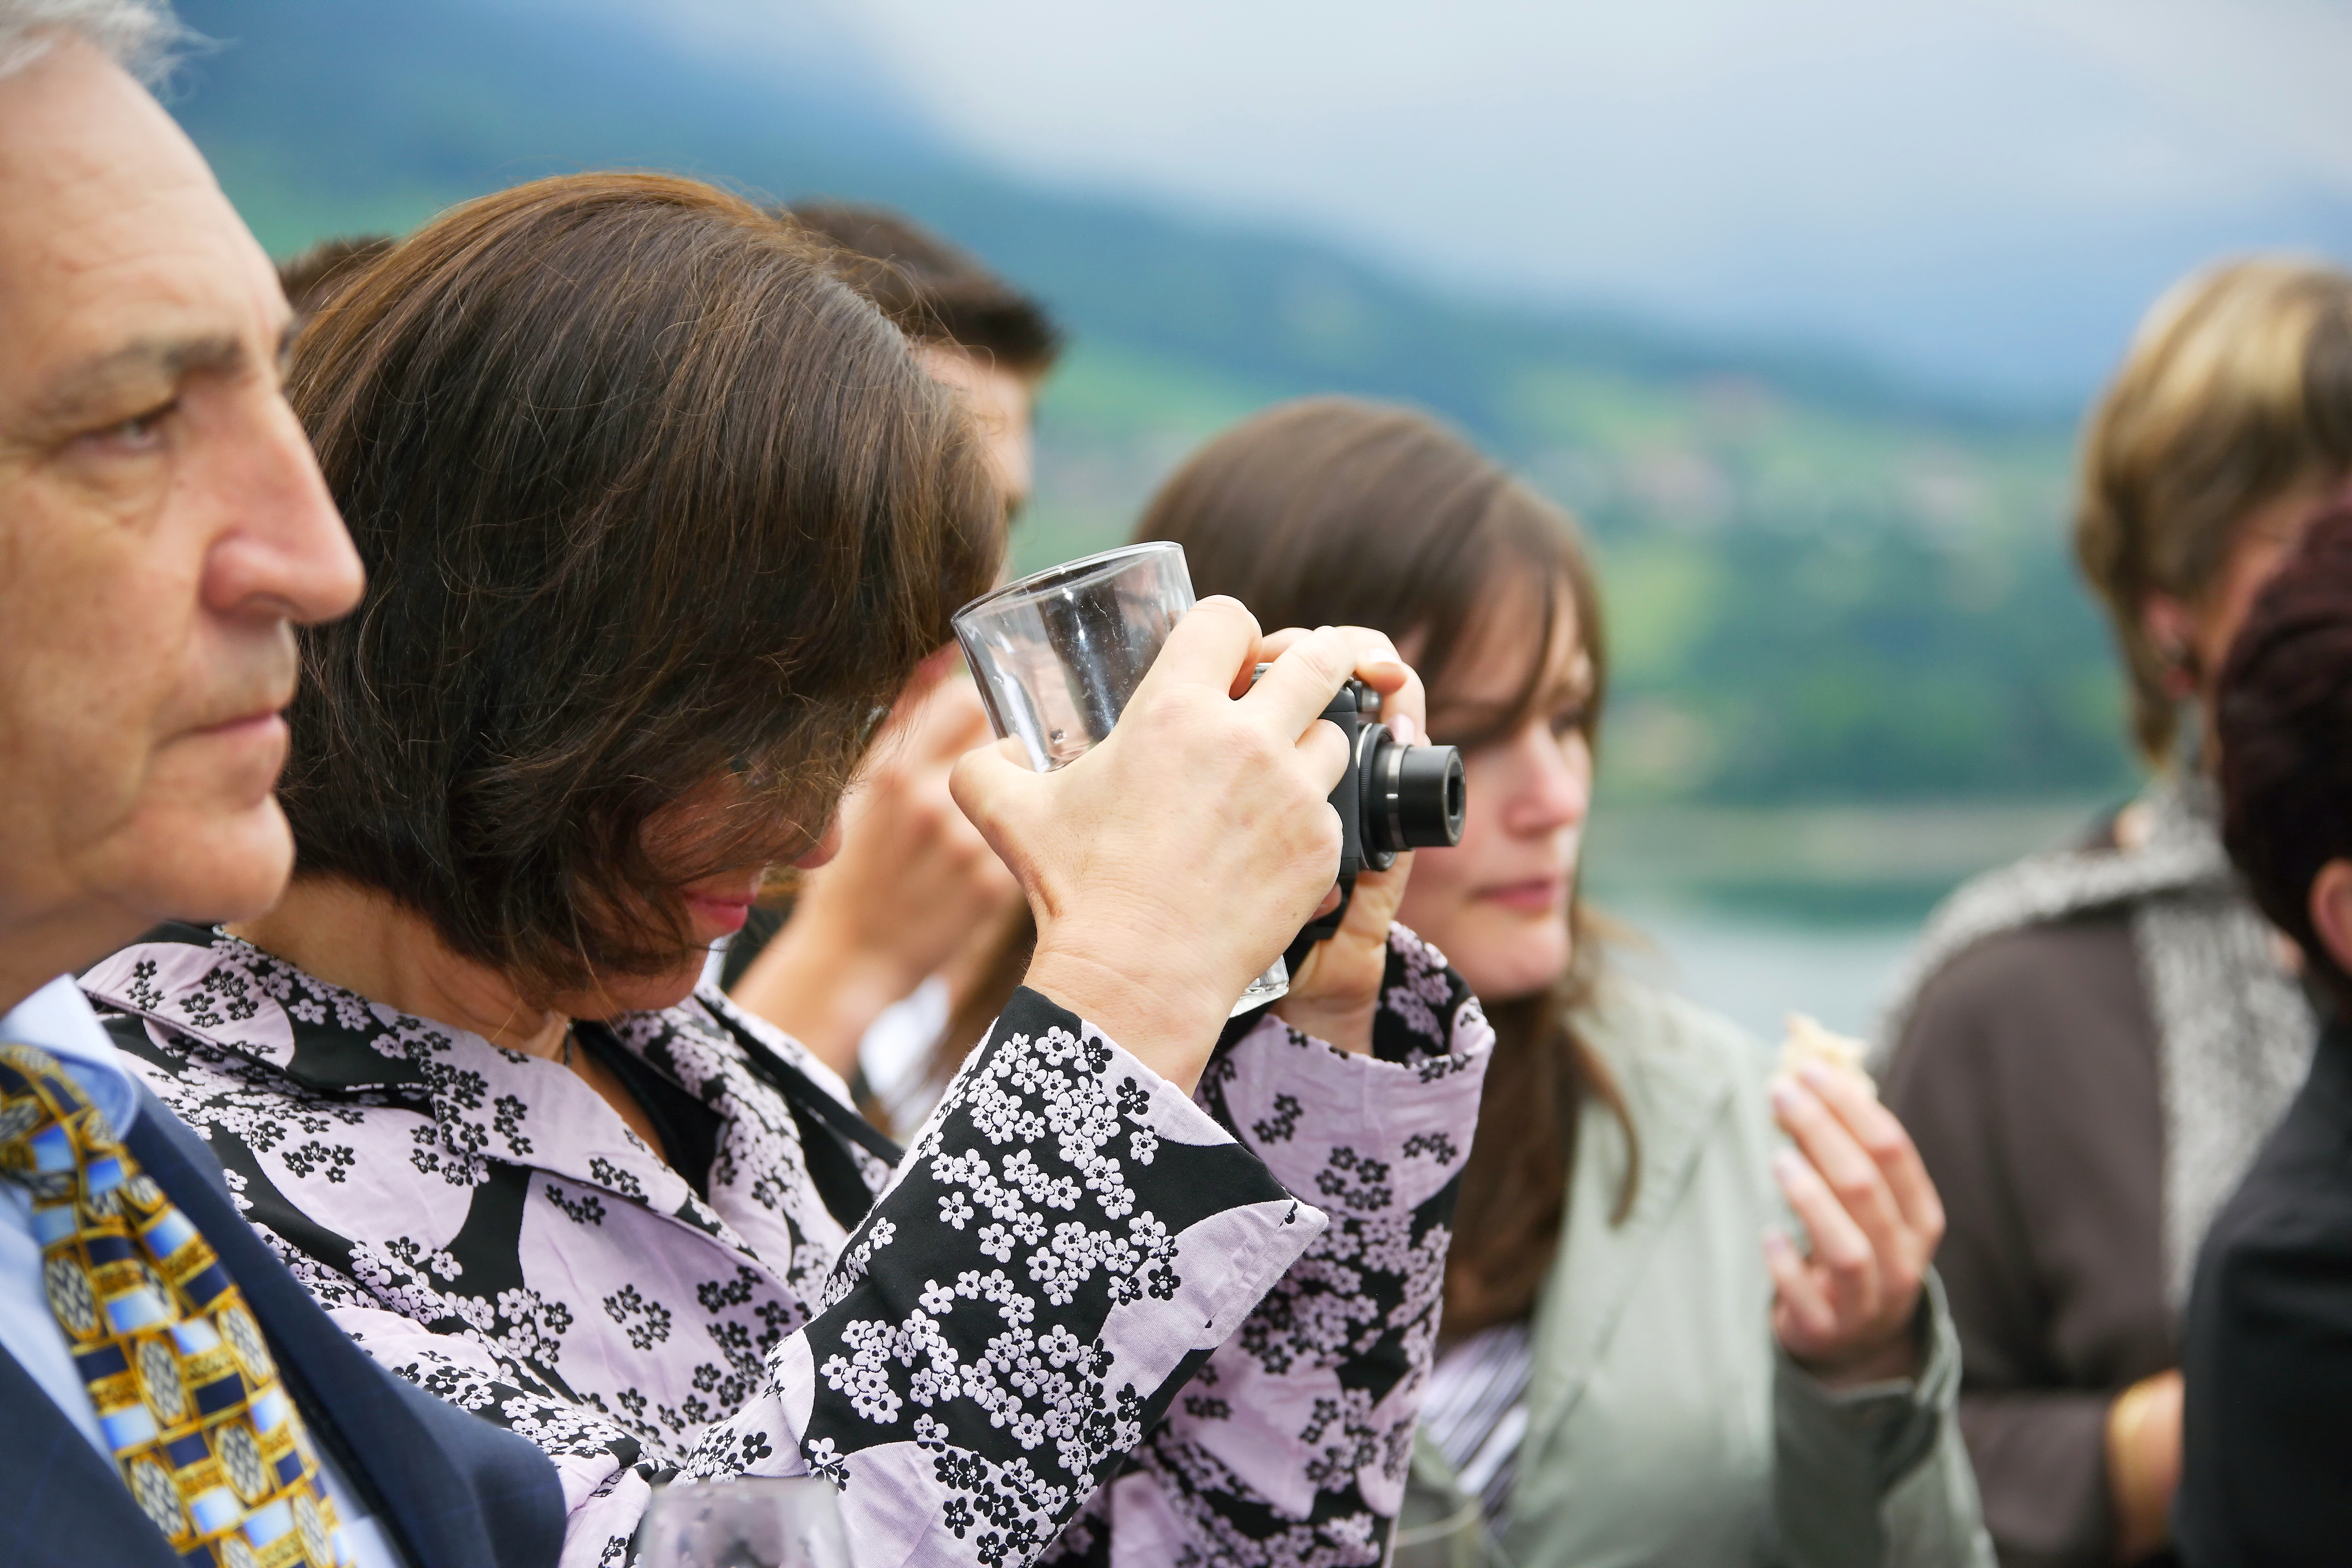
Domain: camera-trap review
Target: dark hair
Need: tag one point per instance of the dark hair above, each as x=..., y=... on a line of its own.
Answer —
x=651, y=504
x=933, y=291
x=1331, y=511
x=2284, y=718
x=317, y=274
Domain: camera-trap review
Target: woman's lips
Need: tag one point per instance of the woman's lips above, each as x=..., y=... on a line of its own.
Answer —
x=265, y=725
x=725, y=914
x=1537, y=896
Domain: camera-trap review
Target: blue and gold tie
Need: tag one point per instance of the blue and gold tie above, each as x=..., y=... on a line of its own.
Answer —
x=188, y=1398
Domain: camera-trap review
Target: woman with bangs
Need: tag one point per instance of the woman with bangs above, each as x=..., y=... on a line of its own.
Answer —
x=1638, y=1362
x=656, y=515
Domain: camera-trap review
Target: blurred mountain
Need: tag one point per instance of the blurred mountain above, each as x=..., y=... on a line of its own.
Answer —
x=1825, y=581
x=346, y=113
x=1979, y=192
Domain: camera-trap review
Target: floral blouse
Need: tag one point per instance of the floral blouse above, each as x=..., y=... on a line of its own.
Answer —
x=1085, y=1319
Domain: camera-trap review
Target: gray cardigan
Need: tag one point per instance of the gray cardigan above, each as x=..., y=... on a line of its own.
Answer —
x=1665, y=1425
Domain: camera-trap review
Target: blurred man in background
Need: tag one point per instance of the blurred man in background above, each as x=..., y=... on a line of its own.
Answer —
x=885, y=948
x=971, y=329
x=317, y=274
x=163, y=526
x=2098, y=1039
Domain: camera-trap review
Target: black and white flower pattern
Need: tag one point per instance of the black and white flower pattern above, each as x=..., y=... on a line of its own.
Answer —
x=1088, y=1318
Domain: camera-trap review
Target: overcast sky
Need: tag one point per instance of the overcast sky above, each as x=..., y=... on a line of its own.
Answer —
x=1983, y=189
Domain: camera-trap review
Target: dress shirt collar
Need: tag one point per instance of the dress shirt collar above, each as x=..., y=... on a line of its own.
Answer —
x=57, y=1019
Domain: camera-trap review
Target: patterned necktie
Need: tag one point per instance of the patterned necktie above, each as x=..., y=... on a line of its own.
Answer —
x=187, y=1396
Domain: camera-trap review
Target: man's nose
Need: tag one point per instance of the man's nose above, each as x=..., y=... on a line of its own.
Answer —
x=281, y=548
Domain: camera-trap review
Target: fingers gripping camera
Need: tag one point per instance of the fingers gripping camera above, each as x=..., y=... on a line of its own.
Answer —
x=1391, y=798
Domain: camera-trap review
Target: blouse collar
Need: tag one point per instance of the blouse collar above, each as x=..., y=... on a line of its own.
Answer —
x=486, y=1103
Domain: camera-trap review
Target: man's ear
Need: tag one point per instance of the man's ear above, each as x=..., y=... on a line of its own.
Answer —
x=2331, y=912
x=2171, y=628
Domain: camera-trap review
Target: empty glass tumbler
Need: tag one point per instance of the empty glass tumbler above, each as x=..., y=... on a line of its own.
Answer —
x=788, y=1521
x=1059, y=654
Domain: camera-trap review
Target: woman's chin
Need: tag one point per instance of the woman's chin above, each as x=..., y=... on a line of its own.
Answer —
x=639, y=992
x=1505, y=960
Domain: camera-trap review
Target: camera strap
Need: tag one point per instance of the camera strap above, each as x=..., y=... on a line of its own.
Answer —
x=810, y=1101
x=1325, y=928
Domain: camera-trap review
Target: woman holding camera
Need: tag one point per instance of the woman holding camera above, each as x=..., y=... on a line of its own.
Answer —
x=1639, y=1365
x=656, y=515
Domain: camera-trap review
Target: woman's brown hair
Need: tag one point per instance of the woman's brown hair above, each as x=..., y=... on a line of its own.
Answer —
x=1334, y=511
x=653, y=508
x=2237, y=390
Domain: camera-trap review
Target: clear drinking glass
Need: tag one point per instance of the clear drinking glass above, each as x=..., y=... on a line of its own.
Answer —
x=756, y=1522
x=1456, y=1541
x=1059, y=654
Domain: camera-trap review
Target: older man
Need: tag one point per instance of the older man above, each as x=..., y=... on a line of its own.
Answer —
x=168, y=1393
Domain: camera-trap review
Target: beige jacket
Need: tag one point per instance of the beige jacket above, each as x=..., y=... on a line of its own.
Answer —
x=1665, y=1426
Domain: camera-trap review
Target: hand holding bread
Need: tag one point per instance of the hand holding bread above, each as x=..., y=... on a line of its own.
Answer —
x=1847, y=1308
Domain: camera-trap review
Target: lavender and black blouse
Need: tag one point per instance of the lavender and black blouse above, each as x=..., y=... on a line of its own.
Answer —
x=1086, y=1318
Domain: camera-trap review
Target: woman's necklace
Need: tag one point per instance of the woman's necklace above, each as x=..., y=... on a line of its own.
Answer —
x=569, y=1029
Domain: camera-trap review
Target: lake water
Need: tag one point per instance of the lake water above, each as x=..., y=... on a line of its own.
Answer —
x=1757, y=971
x=1759, y=912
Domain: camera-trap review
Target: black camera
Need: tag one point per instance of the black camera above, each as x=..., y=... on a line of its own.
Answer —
x=1391, y=798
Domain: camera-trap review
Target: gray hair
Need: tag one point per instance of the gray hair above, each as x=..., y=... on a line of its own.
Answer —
x=140, y=36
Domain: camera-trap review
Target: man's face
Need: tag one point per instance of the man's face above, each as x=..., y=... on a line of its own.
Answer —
x=161, y=526
x=999, y=401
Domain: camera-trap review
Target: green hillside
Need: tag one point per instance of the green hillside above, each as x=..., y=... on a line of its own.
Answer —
x=1823, y=585
x=1803, y=604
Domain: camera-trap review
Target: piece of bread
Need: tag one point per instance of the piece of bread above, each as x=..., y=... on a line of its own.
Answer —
x=1809, y=1042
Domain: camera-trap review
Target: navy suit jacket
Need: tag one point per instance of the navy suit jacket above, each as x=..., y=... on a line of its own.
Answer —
x=451, y=1490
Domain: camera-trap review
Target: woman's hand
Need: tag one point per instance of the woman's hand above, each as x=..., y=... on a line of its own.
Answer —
x=1848, y=1312
x=1337, y=988
x=913, y=879
x=1175, y=860
x=2144, y=1463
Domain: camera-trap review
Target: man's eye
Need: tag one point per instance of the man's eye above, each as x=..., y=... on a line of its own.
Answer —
x=140, y=433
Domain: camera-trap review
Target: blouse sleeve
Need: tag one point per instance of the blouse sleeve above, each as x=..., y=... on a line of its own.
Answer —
x=1061, y=1250
x=1292, y=1445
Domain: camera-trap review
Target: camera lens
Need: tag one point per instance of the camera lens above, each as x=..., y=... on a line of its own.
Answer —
x=1414, y=798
